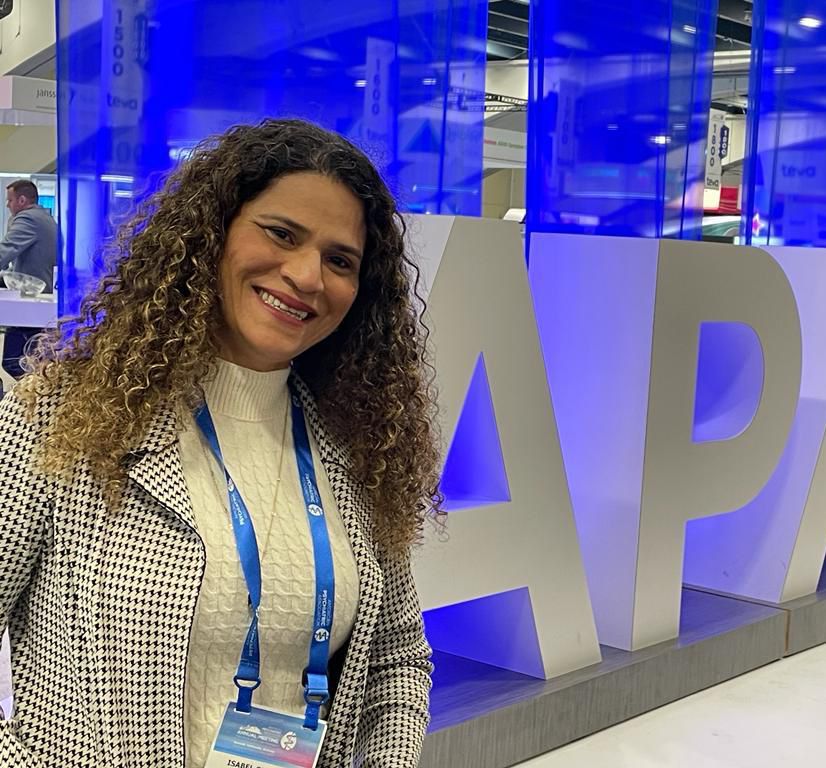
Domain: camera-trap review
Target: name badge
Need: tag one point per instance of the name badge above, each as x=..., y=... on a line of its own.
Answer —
x=264, y=738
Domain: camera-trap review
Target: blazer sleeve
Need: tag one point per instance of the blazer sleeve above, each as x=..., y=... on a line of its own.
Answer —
x=25, y=510
x=21, y=234
x=395, y=714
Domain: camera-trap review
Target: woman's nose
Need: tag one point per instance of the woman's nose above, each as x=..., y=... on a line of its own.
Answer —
x=303, y=270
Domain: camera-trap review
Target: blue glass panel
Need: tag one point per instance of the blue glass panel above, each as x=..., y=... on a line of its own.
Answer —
x=785, y=185
x=142, y=82
x=619, y=99
x=474, y=472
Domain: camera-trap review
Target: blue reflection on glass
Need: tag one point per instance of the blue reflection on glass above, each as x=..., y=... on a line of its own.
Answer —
x=785, y=184
x=618, y=115
x=142, y=82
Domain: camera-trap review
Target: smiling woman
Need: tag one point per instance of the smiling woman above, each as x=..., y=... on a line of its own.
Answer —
x=227, y=454
x=290, y=271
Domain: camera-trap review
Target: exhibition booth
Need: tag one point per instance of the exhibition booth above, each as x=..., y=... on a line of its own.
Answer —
x=619, y=225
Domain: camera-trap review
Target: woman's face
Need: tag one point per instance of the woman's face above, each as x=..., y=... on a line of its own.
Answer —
x=290, y=269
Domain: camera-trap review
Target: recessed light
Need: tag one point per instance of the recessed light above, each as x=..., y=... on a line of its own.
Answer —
x=811, y=22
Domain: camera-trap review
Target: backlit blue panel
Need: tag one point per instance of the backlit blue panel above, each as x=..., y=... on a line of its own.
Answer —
x=620, y=93
x=729, y=381
x=474, y=472
x=141, y=82
x=785, y=187
x=509, y=642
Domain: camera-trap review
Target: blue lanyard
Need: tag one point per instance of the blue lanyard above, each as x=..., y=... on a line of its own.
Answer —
x=248, y=677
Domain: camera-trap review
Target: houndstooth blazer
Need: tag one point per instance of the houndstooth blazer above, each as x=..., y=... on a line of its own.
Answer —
x=100, y=604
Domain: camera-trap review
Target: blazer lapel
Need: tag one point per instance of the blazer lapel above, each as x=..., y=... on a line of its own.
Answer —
x=156, y=466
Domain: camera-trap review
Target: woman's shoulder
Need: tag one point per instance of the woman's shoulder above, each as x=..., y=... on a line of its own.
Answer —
x=29, y=405
x=25, y=419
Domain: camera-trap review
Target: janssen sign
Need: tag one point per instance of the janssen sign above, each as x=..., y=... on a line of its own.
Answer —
x=623, y=417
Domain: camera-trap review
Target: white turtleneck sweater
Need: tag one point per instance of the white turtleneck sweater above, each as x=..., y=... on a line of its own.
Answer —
x=251, y=413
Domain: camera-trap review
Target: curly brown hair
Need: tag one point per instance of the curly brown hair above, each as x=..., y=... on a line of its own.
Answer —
x=145, y=337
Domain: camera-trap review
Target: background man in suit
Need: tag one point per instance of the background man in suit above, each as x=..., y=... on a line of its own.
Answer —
x=30, y=246
x=31, y=241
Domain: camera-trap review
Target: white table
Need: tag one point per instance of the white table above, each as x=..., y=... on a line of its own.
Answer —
x=24, y=312
x=27, y=312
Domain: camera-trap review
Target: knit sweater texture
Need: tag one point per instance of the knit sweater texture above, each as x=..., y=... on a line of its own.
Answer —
x=252, y=418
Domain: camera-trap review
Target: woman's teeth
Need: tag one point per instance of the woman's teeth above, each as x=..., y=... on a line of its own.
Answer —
x=273, y=302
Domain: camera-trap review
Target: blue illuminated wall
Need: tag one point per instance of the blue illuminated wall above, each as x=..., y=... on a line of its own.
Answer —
x=620, y=92
x=785, y=184
x=141, y=82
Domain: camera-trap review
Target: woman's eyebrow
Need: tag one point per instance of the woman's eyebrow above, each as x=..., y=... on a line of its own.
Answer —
x=276, y=218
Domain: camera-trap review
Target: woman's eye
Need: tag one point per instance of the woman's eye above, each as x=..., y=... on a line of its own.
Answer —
x=340, y=261
x=280, y=234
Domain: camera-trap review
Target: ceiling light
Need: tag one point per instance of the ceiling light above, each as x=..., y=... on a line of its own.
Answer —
x=180, y=153
x=811, y=22
x=688, y=28
x=785, y=70
x=428, y=81
x=662, y=140
x=113, y=178
x=318, y=53
x=360, y=83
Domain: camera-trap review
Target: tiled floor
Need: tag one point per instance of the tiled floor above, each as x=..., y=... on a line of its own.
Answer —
x=774, y=717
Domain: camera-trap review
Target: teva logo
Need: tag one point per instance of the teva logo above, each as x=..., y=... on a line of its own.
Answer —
x=799, y=171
